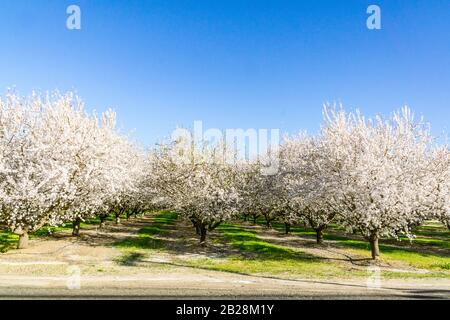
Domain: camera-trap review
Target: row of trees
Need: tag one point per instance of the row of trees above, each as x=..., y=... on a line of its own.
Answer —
x=379, y=177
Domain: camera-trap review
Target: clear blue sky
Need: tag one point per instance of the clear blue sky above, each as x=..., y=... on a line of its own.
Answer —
x=231, y=63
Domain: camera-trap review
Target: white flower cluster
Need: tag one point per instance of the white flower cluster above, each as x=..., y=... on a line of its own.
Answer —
x=199, y=184
x=59, y=163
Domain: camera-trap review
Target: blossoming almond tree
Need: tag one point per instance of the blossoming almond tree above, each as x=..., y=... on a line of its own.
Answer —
x=260, y=194
x=381, y=182
x=104, y=168
x=35, y=183
x=436, y=200
x=198, y=182
x=57, y=163
x=128, y=164
x=309, y=181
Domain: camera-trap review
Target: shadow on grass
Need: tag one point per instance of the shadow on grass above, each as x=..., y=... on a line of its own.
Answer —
x=438, y=231
x=238, y=248
x=146, y=236
x=49, y=231
x=335, y=233
x=130, y=258
x=233, y=242
x=420, y=256
x=142, y=242
x=255, y=248
x=421, y=252
x=435, y=230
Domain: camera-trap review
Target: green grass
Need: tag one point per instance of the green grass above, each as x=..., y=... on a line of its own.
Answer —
x=433, y=229
x=420, y=256
x=412, y=257
x=145, y=238
x=437, y=243
x=129, y=258
x=257, y=256
x=422, y=252
x=419, y=253
x=96, y=221
x=248, y=243
x=286, y=267
x=430, y=234
x=49, y=230
x=252, y=255
x=8, y=240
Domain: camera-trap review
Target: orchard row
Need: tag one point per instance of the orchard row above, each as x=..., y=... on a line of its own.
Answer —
x=380, y=177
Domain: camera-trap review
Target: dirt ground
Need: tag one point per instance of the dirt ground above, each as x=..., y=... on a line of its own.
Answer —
x=61, y=266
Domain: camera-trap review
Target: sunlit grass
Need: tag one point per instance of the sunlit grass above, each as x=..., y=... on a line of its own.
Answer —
x=257, y=256
x=433, y=229
x=419, y=252
x=421, y=260
x=8, y=240
x=287, y=267
x=49, y=230
x=145, y=238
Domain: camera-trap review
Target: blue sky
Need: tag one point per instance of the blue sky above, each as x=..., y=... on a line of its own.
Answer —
x=229, y=63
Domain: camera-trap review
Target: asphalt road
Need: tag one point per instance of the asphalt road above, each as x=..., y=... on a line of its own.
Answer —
x=215, y=285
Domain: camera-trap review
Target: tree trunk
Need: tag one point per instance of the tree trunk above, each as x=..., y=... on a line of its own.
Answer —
x=374, y=247
x=117, y=219
x=196, y=226
x=23, y=240
x=319, y=235
x=254, y=219
x=76, y=227
x=203, y=231
x=287, y=228
x=102, y=221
